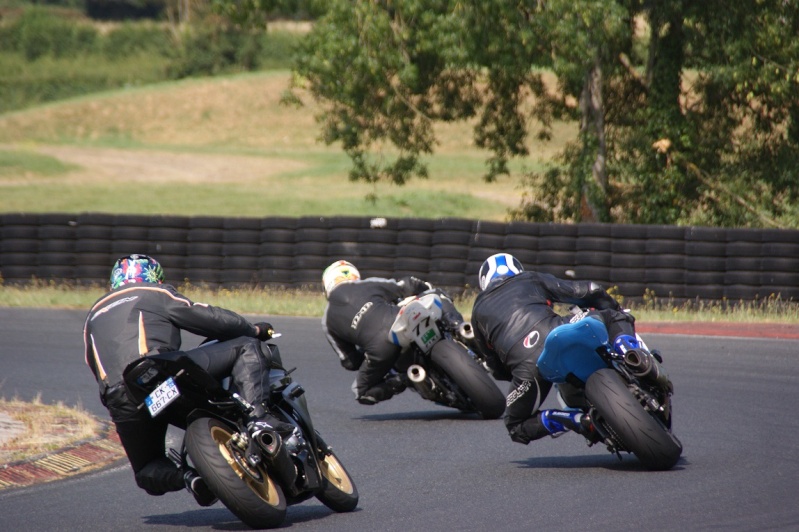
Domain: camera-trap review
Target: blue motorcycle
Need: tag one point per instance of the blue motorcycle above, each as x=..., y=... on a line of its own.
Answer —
x=628, y=396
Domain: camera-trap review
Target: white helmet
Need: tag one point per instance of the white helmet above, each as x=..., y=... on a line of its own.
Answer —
x=498, y=266
x=337, y=273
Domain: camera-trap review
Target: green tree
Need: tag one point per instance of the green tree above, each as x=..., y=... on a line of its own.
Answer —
x=687, y=111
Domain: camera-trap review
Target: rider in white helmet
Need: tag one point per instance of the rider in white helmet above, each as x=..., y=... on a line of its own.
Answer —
x=511, y=318
x=357, y=319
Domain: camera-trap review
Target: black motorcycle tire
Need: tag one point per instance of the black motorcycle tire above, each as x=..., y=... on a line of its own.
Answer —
x=473, y=380
x=338, y=489
x=250, y=493
x=640, y=433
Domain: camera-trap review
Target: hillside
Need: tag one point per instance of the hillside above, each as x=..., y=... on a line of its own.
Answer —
x=221, y=146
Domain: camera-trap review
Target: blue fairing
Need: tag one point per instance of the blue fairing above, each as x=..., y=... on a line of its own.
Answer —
x=571, y=348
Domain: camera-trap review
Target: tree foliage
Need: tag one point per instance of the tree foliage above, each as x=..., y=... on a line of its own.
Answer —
x=687, y=111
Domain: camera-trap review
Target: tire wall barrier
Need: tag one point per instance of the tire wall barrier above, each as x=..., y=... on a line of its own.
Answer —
x=679, y=262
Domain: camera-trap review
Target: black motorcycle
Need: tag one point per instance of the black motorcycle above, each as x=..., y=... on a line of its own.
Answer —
x=256, y=478
x=438, y=363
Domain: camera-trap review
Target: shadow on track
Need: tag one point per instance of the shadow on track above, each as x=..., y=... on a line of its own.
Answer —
x=423, y=415
x=220, y=518
x=607, y=461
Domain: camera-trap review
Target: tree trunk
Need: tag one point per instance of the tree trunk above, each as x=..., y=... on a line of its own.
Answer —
x=593, y=126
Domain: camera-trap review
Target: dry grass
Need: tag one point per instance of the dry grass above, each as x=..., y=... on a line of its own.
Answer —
x=266, y=301
x=231, y=132
x=242, y=111
x=47, y=427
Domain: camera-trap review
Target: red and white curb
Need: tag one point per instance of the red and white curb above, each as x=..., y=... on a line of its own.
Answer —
x=75, y=459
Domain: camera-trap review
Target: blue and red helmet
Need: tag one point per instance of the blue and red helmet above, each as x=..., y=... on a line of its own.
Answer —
x=498, y=266
x=136, y=269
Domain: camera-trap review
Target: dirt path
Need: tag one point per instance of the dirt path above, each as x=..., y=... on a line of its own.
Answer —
x=142, y=166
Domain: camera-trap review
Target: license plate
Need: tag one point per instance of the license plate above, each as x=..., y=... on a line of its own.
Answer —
x=426, y=334
x=162, y=396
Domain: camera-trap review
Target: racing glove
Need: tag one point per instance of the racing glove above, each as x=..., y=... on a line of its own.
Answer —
x=265, y=331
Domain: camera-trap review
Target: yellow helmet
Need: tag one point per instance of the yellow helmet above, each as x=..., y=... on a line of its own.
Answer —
x=337, y=273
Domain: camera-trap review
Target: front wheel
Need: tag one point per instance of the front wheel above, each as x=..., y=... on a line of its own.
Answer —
x=472, y=379
x=338, y=489
x=640, y=433
x=249, y=492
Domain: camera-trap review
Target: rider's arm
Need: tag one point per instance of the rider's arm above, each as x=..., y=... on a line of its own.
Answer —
x=595, y=296
x=412, y=286
x=415, y=286
x=582, y=293
x=207, y=320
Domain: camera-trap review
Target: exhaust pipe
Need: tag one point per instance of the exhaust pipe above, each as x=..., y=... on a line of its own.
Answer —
x=644, y=366
x=277, y=455
x=465, y=330
x=269, y=441
x=423, y=385
x=416, y=373
x=639, y=362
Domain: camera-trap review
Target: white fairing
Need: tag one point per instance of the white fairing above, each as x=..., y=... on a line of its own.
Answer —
x=416, y=322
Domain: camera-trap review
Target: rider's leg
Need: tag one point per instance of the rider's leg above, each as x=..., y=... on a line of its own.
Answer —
x=558, y=421
x=244, y=360
x=143, y=441
x=374, y=382
x=371, y=384
x=521, y=408
x=617, y=323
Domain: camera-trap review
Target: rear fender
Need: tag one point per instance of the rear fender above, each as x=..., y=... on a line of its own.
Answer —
x=572, y=349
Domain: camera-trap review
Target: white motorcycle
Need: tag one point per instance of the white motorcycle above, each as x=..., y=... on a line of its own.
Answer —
x=437, y=361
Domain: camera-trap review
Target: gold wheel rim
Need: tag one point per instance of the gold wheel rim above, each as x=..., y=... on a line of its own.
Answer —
x=256, y=478
x=335, y=474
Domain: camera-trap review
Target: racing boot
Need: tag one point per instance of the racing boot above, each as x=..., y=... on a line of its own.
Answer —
x=268, y=422
x=198, y=488
x=261, y=420
x=560, y=421
x=391, y=386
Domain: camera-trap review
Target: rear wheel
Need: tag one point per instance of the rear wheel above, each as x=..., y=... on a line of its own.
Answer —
x=249, y=492
x=640, y=433
x=338, y=490
x=472, y=379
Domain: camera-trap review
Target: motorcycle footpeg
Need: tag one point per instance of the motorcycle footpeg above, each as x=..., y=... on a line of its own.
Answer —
x=252, y=454
x=253, y=459
x=175, y=456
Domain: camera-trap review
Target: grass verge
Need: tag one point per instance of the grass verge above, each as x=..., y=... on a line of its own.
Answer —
x=46, y=427
x=310, y=303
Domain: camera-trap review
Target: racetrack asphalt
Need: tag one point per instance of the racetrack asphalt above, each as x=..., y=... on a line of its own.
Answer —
x=104, y=448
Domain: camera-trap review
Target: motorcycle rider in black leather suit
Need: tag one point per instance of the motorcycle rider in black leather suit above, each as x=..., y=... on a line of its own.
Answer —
x=357, y=320
x=141, y=316
x=511, y=318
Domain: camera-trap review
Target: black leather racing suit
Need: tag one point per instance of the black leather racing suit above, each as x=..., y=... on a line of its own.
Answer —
x=357, y=319
x=512, y=318
x=142, y=319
